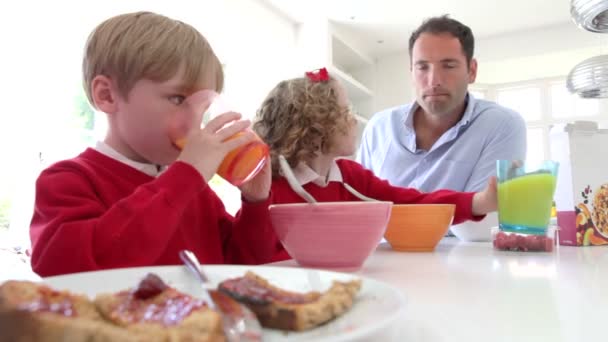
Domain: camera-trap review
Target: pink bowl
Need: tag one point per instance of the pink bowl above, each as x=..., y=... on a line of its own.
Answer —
x=336, y=235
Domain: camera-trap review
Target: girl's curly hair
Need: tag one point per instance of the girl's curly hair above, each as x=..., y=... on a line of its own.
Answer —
x=299, y=119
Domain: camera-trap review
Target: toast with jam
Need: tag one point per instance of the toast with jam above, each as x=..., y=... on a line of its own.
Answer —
x=280, y=309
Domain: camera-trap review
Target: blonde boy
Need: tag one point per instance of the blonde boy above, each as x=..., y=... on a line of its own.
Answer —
x=136, y=199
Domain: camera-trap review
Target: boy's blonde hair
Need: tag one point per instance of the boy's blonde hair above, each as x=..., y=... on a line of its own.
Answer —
x=145, y=45
x=299, y=119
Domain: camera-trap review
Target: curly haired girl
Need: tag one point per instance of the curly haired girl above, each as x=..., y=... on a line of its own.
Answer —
x=308, y=121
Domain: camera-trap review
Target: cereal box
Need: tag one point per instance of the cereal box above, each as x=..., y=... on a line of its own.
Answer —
x=581, y=195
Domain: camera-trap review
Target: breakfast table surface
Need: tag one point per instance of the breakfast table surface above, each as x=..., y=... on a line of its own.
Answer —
x=467, y=291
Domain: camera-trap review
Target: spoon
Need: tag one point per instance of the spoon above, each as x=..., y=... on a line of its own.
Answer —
x=358, y=194
x=240, y=324
x=293, y=182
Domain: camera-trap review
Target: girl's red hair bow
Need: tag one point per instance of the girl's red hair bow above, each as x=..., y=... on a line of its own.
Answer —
x=319, y=75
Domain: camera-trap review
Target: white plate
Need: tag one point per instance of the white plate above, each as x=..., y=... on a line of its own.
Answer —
x=376, y=309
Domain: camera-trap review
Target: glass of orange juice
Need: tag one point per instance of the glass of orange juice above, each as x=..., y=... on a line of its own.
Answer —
x=525, y=195
x=245, y=161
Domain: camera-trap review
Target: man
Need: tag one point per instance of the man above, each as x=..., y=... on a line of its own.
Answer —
x=446, y=139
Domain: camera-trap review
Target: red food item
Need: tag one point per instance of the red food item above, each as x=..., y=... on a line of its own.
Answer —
x=549, y=244
x=511, y=241
x=520, y=242
x=531, y=243
x=169, y=308
x=152, y=301
x=51, y=301
x=248, y=287
x=541, y=243
x=149, y=287
x=500, y=241
x=278, y=308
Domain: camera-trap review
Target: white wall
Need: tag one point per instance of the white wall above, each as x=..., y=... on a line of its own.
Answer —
x=259, y=47
x=529, y=55
x=541, y=53
x=536, y=42
x=312, y=44
x=393, y=81
x=256, y=43
x=349, y=37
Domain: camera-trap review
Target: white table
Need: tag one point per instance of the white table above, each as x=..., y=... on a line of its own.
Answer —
x=467, y=291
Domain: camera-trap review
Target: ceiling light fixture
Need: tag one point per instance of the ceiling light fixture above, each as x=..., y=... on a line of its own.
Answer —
x=591, y=15
x=589, y=78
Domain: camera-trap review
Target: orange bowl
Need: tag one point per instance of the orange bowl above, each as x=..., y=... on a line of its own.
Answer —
x=418, y=227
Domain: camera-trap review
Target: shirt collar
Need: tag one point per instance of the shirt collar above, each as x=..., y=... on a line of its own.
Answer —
x=149, y=169
x=469, y=113
x=305, y=174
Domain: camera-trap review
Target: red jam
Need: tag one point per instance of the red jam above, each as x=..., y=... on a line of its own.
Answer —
x=50, y=301
x=169, y=308
x=149, y=287
x=250, y=288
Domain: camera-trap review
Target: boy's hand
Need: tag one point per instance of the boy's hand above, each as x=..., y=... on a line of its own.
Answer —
x=206, y=148
x=258, y=188
x=486, y=201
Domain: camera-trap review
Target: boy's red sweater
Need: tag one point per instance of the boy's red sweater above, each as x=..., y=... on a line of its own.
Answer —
x=93, y=212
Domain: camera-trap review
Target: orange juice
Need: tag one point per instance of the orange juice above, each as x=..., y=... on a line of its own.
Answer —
x=525, y=202
x=242, y=163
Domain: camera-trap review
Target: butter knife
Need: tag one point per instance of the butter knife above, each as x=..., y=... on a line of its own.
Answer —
x=240, y=323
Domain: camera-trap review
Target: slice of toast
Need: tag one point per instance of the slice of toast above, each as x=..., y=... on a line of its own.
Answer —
x=148, y=313
x=157, y=310
x=285, y=310
x=34, y=312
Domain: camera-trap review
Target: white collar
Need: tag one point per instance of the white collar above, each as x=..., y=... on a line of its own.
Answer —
x=304, y=174
x=149, y=169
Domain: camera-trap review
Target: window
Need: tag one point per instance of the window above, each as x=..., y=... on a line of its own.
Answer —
x=479, y=90
x=536, y=143
x=478, y=94
x=58, y=131
x=566, y=105
x=526, y=101
x=542, y=104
